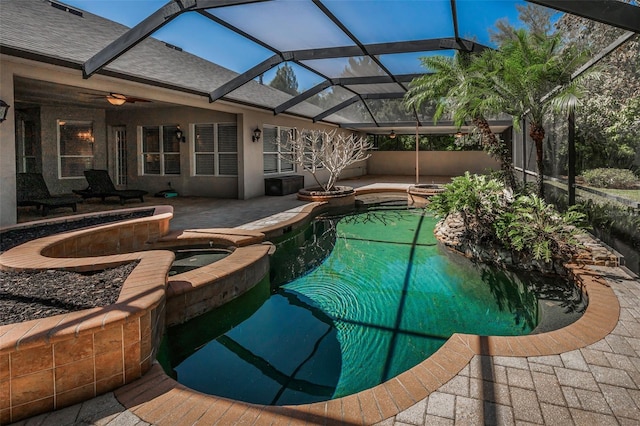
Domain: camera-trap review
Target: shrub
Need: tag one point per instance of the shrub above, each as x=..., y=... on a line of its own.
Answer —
x=478, y=198
x=469, y=194
x=610, y=178
x=534, y=226
x=524, y=223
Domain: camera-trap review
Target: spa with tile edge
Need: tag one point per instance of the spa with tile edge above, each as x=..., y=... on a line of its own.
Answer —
x=64, y=359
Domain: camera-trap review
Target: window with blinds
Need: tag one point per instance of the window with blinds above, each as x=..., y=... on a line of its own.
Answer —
x=215, y=149
x=275, y=159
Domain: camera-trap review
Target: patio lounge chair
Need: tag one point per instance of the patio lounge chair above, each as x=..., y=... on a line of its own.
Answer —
x=31, y=190
x=101, y=186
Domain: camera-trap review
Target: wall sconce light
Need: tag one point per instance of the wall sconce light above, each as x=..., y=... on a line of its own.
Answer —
x=180, y=135
x=459, y=135
x=4, y=109
x=392, y=135
x=256, y=135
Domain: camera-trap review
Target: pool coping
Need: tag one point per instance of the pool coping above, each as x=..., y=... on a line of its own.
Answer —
x=158, y=399
x=60, y=360
x=155, y=397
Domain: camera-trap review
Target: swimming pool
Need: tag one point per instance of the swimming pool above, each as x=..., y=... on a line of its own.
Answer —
x=352, y=301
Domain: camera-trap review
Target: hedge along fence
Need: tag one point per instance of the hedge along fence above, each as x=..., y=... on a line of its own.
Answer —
x=611, y=178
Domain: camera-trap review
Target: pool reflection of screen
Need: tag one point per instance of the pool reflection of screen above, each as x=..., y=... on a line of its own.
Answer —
x=354, y=301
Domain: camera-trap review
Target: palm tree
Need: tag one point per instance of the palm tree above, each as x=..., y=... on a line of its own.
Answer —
x=454, y=87
x=527, y=77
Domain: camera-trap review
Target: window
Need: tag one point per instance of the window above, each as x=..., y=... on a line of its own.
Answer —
x=160, y=150
x=216, y=149
x=26, y=137
x=75, y=148
x=276, y=160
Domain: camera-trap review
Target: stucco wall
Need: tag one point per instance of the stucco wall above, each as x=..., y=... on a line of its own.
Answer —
x=189, y=109
x=8, y=149
x=49, y=144
x=185, y=183
x=249, y=183
x=253, y=160
x=434, y=163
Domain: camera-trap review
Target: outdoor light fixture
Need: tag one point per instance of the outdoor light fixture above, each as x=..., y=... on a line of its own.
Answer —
x=392, y=135
x=256, y=135
x=116, y=99
x=180, y=135
x=4, y=109
x=458, y=135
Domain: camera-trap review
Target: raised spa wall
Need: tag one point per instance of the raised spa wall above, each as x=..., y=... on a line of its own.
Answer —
x=54, y=362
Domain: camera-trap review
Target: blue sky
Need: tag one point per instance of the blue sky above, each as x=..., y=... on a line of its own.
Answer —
x=285, y=24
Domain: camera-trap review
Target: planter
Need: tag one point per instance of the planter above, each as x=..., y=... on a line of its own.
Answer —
x=418, y=195
x=426, y=189
x=339, y=196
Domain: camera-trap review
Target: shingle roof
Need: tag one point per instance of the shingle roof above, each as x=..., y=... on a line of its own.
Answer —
x=34, y=27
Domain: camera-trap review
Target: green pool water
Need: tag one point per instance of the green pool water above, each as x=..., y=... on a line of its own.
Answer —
x=352, y=302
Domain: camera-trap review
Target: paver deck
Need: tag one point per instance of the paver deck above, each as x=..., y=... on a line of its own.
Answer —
x=598, y=384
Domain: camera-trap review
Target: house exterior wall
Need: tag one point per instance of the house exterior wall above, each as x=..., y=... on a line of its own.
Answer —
x=431, y=163
x=186, y=183
x=253, y=185
x=8, y=213
x=49, y=117
x=250, y=180
x=188, y=109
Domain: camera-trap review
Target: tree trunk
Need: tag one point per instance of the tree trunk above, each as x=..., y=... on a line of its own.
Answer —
x=497, y=150
x=331, y=182
x=536, y=132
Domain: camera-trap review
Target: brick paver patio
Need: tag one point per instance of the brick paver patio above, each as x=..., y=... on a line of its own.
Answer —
x=595, y=385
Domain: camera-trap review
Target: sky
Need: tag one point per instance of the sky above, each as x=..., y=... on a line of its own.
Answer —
x=285, y=24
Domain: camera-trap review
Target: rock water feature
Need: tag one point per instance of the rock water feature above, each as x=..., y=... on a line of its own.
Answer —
x=451, y=232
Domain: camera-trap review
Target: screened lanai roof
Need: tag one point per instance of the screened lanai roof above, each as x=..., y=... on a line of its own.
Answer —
x=352, y=59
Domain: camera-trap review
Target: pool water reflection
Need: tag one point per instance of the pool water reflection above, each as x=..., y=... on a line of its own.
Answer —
x=373, y=295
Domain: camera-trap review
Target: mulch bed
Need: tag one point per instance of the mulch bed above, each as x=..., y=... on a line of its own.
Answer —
x=30, y=295
x=15, y=237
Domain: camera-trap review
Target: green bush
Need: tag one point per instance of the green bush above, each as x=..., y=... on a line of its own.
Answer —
x=524, y=223
x=534, y=226
x=610, y=178
x=478, y=198
x=621, y=221
x=469, y=194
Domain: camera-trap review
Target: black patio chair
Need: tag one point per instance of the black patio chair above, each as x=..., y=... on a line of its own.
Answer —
x=101, y=186
x=31, y=190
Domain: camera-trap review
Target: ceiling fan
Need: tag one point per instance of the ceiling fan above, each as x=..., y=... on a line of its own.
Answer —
x=120, y=99
x=116, y=99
